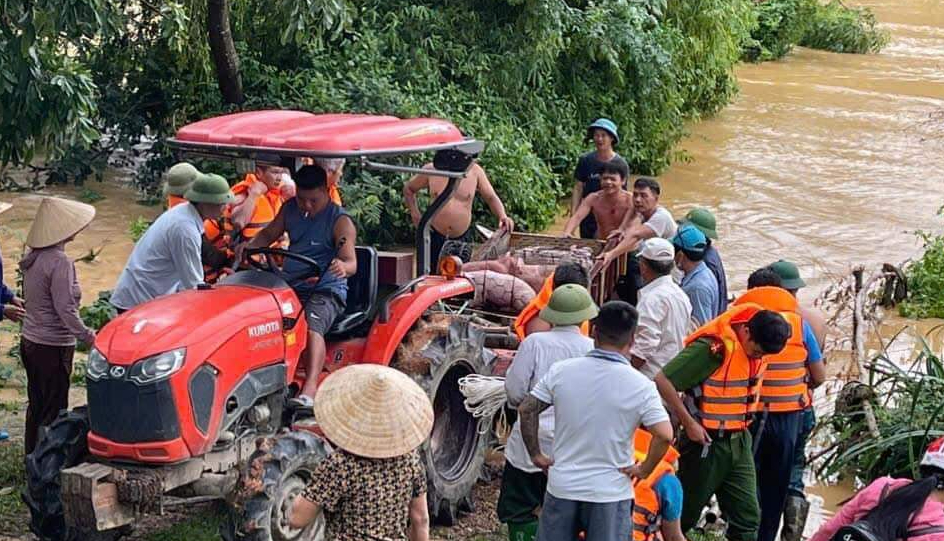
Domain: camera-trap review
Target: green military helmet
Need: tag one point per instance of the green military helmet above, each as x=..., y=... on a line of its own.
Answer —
x=209, y=188
x=570, y=304
x=789, y=274
x=704, y=220
x=179, y=178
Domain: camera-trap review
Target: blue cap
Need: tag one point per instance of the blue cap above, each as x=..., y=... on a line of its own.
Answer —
x=603, y=124
x=690, y=238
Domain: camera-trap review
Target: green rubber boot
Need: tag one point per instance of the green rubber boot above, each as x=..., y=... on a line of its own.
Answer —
x=522, y=531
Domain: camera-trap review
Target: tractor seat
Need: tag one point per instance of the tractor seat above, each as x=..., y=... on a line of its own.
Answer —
x=361, y=296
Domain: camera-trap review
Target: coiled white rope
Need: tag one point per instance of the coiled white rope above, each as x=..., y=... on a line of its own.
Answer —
x=484, y=397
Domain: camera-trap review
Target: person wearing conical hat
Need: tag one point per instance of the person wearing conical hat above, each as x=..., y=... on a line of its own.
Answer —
x=166, y=259
x=51, y=324
x=177, y=181
x=523, y=483
x=374, y=485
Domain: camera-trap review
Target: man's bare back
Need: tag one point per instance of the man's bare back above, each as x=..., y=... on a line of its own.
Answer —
x=455, y=217
x=610, y=210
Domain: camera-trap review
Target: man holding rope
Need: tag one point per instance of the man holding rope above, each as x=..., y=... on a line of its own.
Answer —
x=523, y=483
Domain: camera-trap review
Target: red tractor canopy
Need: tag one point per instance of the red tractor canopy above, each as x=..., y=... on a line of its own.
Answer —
x=355, y=137
x=338, y=135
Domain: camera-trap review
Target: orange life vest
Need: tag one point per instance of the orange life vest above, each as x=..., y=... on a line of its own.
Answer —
x=785, y=386
x=174, y=200
x=730, y=395
x=334, y=194
x=266, y=209
x=533, y=310
x=647, y=518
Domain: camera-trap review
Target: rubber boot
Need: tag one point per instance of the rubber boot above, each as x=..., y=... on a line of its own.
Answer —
x=522, y=531
x=795, y=512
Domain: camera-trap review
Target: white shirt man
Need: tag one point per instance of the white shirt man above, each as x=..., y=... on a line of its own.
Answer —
x=665, y=312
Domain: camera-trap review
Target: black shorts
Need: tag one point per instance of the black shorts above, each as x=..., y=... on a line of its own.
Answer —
x=321, y=310
x=440, y=246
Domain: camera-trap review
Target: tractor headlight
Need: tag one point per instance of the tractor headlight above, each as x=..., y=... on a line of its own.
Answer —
x=97, y=365
x=158, y=367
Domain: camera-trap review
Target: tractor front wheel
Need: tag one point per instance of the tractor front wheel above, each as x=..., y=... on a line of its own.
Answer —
x=61, y=445
x=277, y=473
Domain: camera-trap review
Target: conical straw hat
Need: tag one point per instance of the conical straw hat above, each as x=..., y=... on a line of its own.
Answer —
x=57, y=220
x=4, y=207
x=373, y=411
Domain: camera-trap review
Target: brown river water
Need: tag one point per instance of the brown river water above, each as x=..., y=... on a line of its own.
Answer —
x=825, y=159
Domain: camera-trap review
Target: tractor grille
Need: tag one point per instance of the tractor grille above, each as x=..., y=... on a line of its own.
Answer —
x=124, y=412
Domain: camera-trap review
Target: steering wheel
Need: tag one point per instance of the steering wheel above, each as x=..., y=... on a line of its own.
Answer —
x=313, y=270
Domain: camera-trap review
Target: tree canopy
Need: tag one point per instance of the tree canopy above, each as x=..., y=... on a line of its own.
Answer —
x=526, y=76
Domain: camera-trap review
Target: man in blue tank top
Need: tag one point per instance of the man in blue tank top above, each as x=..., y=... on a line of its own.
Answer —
x=319, y=229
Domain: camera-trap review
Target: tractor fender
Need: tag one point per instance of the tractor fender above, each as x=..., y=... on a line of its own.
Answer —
x=405, y=310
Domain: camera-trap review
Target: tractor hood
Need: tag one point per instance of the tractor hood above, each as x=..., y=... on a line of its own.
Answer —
x=184, y=319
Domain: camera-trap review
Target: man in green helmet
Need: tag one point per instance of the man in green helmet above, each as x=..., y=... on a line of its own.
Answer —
x=704, y=220
x=166, y=259
x=523, y=483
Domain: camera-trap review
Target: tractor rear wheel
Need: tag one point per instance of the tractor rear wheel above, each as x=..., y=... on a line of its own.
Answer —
x=279, y=470
x=451, y=347
x=61, y=445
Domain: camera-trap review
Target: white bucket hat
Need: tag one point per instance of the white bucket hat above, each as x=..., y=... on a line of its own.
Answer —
x=373, y=411
x=57, y=220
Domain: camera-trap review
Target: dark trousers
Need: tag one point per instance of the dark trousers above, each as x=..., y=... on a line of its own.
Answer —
x=522, y=493
x=563, y=520
x=48, y=369
x=799, y=458
x=774, y=459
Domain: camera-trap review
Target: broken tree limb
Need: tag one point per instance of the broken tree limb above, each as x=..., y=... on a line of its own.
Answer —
x=858, y=341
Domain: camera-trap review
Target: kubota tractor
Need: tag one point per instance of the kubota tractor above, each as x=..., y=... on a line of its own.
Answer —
x=181, y=389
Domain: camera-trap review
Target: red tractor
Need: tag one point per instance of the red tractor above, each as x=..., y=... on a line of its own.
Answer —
x=186, y=393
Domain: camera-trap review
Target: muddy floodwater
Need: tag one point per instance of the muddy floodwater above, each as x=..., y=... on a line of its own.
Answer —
x=828, y=160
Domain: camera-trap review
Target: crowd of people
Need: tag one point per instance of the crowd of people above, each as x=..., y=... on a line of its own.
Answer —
x=677, y=395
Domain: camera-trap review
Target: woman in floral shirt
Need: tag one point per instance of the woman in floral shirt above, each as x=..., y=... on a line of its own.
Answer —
x=374, y=486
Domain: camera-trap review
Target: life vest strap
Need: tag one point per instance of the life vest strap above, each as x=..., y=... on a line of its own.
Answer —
x=773, y=365
x=724, y=416
x=785, y=382
x=727, y=383
x=727, y=399
x=783, y=399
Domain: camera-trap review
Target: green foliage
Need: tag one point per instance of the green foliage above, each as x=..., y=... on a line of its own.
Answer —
x=908, y=403
x=926, y=280
x=781, y=24
x=842, y=29
x=526, y=76
x=833, y=26
x=100, y=312
x=12, y=476
x=137, y=228
x=90, y=196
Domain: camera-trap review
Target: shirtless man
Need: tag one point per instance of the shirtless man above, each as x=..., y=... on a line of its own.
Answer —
x=609, y=206
x=454, y=220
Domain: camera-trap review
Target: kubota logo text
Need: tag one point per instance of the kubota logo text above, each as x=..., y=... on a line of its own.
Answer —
x=266, y=328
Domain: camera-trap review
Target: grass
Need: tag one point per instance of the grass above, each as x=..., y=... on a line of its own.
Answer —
x=203, y=526
x=12, y=481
